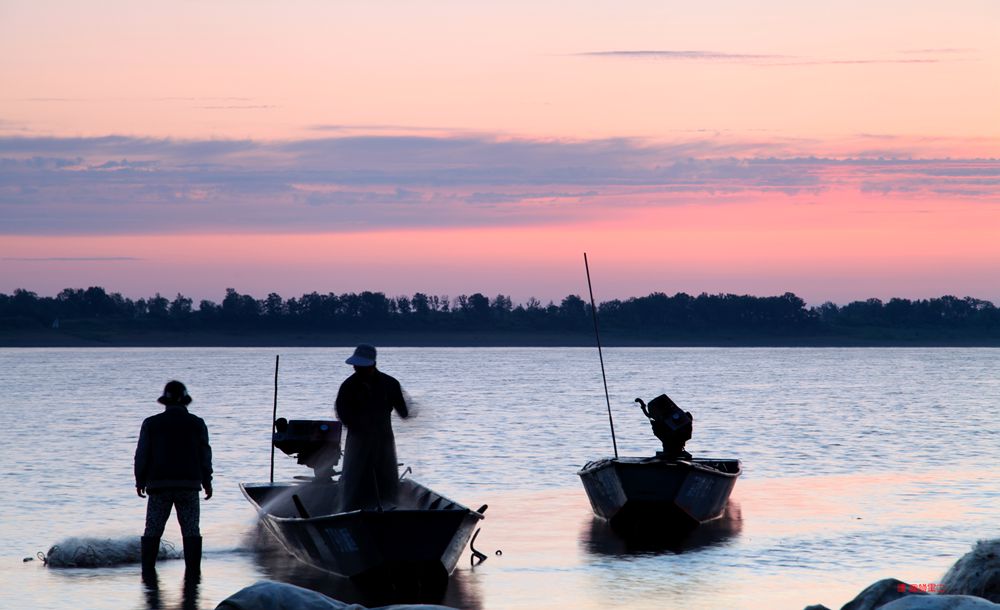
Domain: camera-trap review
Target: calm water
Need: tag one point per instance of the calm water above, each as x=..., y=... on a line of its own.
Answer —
x=859, y=464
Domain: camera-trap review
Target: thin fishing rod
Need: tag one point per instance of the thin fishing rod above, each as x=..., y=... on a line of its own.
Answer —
x=274, y=414
x=593, y=310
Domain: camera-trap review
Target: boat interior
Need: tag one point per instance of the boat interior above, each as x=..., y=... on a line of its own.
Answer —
x=317, y=499
x=726, y=466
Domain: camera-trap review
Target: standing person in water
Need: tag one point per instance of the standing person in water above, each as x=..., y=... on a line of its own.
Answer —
x=365, y=403
x=173, y=460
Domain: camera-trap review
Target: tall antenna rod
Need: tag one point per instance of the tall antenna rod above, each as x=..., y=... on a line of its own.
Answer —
x=593, y=310
x=274, y=414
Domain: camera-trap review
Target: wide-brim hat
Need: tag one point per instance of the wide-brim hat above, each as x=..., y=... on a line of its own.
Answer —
x=175, y=393
x=364, y=355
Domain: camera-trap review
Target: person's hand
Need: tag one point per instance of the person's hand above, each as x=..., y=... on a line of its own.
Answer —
x=140, y=491
x=208, y=492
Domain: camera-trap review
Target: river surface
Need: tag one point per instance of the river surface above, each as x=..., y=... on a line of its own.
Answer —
x=859, y=464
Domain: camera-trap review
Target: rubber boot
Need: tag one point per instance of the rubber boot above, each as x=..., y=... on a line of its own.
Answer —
x=192, y=555
x=150, y=547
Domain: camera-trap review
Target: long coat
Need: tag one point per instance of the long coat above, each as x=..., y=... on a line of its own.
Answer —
x=370, y=477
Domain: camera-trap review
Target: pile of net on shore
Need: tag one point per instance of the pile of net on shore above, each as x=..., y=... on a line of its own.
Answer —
x=80, y=552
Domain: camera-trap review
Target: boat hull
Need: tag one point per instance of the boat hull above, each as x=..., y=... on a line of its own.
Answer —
x=421, y=538
x=659, y=495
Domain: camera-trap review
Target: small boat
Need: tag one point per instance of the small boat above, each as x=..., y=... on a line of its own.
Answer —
x=418, y=538
x=659, y=494
x=668, y=494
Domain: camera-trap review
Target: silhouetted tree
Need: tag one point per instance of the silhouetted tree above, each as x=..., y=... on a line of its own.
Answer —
x=654, y=315
x=158, y=307
x=180, y=307
x=421, y=305
x=274, y=306
x=573, y=312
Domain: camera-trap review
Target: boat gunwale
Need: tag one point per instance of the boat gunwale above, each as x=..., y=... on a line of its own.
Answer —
x=694, y=464
x=461, y=508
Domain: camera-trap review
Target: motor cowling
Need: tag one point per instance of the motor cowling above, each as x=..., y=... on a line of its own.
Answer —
x=671, y=424
x=315, y=442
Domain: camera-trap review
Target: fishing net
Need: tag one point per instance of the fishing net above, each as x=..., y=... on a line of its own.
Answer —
x=77, y=552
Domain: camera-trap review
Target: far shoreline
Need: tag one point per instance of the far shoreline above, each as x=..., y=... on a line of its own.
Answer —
x=57, y=339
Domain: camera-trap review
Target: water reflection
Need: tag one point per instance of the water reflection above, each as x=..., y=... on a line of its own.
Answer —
x=277, y=564
x=151, y=591
x=190, y=597
x=600, y=539
x=830, y=507
x=154, y=599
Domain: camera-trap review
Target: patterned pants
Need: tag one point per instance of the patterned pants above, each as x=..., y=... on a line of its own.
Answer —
x=158, y=511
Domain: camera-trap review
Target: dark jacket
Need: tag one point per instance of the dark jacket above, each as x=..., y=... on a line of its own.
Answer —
x=173, y=452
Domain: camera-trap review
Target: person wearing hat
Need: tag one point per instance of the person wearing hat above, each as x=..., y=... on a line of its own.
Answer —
x=365, y=402
x=173, y=460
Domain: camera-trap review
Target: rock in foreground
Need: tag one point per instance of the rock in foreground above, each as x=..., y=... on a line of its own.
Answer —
x=269, y=595
x=973, y=583
x=976, y=573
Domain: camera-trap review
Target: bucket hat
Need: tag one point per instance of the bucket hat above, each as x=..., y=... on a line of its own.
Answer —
x=175, y=393
x=364, y=355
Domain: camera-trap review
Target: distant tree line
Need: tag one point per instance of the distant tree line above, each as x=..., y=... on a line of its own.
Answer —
x=656, y=314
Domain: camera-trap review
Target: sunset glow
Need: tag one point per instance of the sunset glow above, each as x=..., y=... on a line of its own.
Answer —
x=450, y=148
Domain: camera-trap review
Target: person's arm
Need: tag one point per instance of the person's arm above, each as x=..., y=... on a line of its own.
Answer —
x=206, y=462
x=399, y=403
x=141, y=459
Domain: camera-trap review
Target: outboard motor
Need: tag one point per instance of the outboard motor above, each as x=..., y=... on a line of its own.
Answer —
x=316, y=441
x=671, y=424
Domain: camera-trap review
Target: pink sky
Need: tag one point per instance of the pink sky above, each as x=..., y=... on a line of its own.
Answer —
x=838, y=153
